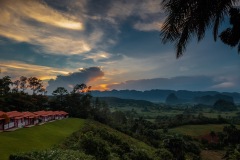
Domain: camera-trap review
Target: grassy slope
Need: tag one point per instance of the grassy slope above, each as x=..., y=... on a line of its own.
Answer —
x=124, y=137
x=198, y=130
x=37, y=137
x=72, y=143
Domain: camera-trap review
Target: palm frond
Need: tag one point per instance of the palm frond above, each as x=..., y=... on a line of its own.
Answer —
x=220, y=10
x=231, y=36
x=189, y=18
x=239, y=48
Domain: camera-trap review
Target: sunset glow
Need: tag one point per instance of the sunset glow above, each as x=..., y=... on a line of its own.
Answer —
x=114, y=47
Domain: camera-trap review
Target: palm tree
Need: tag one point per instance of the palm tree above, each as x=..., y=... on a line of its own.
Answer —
x=189, y=18
x=231, y=36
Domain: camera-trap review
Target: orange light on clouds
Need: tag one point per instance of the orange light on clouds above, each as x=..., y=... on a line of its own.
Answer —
x=101, y=87
x=46, y=77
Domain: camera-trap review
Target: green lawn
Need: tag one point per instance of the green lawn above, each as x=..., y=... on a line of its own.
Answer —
x=37, y=137
x=198, y=130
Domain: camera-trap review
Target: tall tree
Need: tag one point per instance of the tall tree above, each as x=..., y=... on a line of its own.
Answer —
x=23, y=83
x=189, y=18
x=42, y=91
x=5, y=83
x=81, y=88
x=16, y=85
x=60, y=92
x=35, y=84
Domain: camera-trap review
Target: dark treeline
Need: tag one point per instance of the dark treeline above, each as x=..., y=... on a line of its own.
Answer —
x=29, y=94
x=14, y=94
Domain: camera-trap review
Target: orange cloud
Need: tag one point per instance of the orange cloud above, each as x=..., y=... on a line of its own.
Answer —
x=56, y=32
x=40, y=12
x=16, y=69
x=101, y=87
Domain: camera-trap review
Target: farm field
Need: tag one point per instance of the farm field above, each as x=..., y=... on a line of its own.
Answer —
x=37, y=137
x=198, y=130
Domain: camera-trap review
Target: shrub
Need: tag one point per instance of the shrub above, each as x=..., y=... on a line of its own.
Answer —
x=163, y=154
x=93, y=145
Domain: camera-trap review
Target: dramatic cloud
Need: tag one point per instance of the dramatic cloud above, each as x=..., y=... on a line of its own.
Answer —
x=149, y=13
x=195, y=83
x=77, y=29
x=85, y=75
x=52, y=31
x=15, y=69
x=104, y=57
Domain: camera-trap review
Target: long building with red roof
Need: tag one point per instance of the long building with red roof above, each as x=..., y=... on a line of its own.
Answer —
x=15, y=119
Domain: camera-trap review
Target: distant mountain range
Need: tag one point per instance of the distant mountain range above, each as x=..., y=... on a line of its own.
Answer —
x=119, y=102
x=161, y=95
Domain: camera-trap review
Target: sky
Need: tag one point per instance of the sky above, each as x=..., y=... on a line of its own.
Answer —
x=108, y=44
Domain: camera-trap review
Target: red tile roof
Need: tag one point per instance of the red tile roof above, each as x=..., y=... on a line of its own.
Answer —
x=29, y=115
x=18, y=115
x=64, y=113
x=2, y=113
x=44, y=113
x=14, y=114
x=41, y=113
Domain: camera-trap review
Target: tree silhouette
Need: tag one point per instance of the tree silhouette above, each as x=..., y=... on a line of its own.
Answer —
x=80, y=88
x=5, y=83
x=16, y=85
x=79, y=101
x=60, y=92
x=189, y=18
x=23, y=83
x=35, y=84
